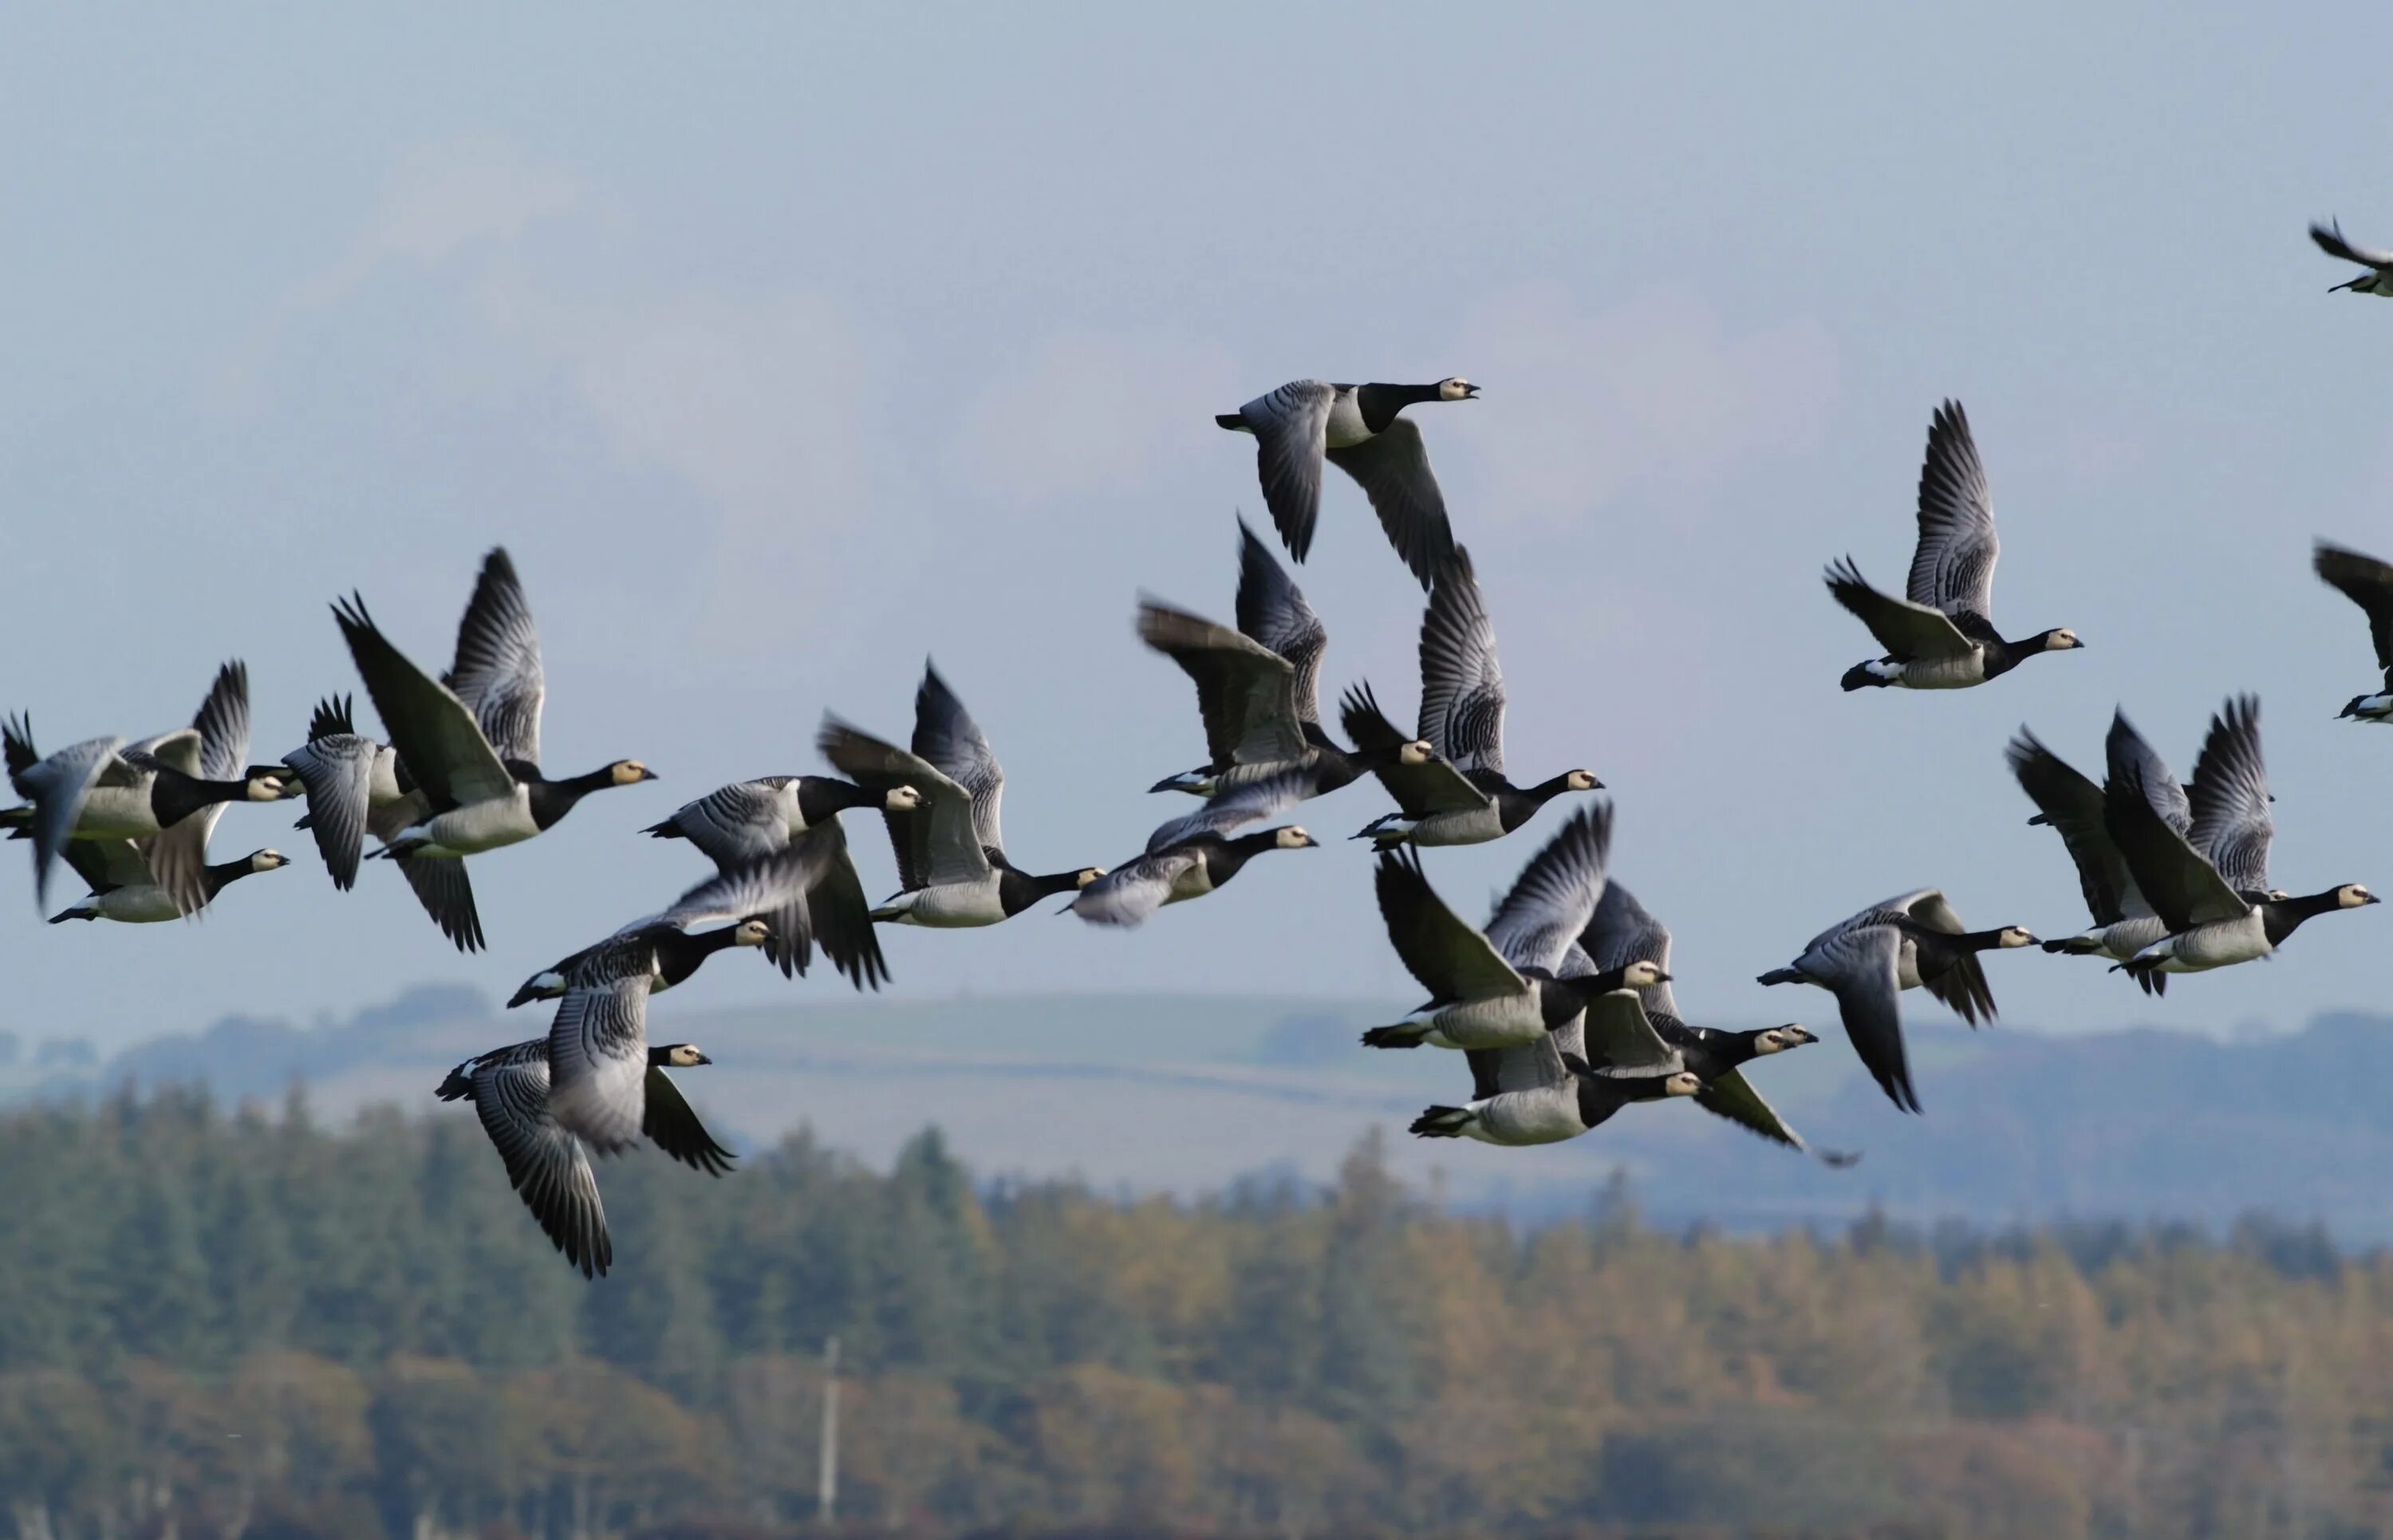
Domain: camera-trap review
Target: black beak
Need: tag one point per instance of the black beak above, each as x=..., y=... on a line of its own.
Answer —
x=647, y=775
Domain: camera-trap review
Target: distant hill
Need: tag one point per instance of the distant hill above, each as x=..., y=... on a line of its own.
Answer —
x=1186, y=1093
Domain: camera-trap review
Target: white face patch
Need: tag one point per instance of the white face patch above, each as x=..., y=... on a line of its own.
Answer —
x=1417, y=753
x=1091, y=874
x=1293, y=838
x=1454, y=389
x=753, y=932
x=1685, y=1084
x=2014, y=936
x=2061, y=640
x=2353, y=896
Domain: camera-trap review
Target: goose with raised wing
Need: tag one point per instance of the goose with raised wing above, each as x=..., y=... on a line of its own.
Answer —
x=2072, y=805
x=1941, y=635
x=471, y=741
x=1500, y=987
x=1360, y=429
x=357, y=786
x=548, y=1165
x=1457, y=793
x=125, y=890
x=1621, y=933
x=1909, y=942
x=952, y=862
x=747, y=820
x=1192, y=857
x=2367, y=582
x=165, y=792
x=2377, y=279
x=2209, y=884
x=761, y=902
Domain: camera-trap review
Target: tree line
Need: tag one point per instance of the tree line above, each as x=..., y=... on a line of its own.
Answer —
x=245, y=1325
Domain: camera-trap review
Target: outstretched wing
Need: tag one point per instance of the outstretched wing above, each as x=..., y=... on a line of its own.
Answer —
x=2368, y=584
x=1554, y=897
x=549, y=1167
x=947, y=736
x=1272, y=611
x=1952, y=570
x=1905, y=630
x=673, y=1128
x=1291, y=427
x=1462, y=688
x=1391, y=467
x=2232, y=822
x=1246, y=691
x=497, y=673
x=1452, y=961
x=1620, y=933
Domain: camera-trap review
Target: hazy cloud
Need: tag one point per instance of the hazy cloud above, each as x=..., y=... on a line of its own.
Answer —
x=1091, y=412
x=439, y=201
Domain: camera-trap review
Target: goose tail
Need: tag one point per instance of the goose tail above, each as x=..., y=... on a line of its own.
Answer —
x=1442, y=1122
x=1393, y=1037
x=1780, y=975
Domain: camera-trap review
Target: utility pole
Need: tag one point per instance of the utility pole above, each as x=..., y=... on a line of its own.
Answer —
x=827, y=1473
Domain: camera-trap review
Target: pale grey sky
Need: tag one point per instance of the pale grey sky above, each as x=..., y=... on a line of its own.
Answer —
x=785, y=346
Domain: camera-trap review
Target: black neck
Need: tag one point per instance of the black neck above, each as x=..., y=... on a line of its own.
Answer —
x=1978, y=941
x=214, y=878
x=823, y=797
x=2283, y=917
x=175, y=796
x=1018, y=890
x=1379, y=403
x=1545, y=790
x=553, y=800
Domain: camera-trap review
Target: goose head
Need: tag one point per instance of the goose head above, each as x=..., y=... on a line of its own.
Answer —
x=1418, y=751
x=754, y=930
x=1293, y=838
x=2061, y=639
x=1643, y=973
x=1685, y=1083
x=1778, y=1039
x=1582, y=780
x=1457, y=388
x=679, y=1055
x=1087, y=875
x=2351, y=896
x=283, y=774
x=902, y=799
x=629, y=772
x=268, y=860
x=263, y=783
x=2014, y=936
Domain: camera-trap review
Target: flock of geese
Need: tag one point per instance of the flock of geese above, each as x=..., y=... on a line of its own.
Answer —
x=1561, y=1004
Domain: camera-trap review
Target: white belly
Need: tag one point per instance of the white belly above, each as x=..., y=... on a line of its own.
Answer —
x=1346, y=428
x=473, y=828
x=2221, y=945
x=144, y=904
x=1547, y=1116
x=1510, y=1021
x=947, y=906
x=1474, y=825
x=1943, y=673
x=117, y=813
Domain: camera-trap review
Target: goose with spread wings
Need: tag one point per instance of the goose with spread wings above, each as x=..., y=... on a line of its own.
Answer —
x=125, y=888
x=164, y=792
x=1940, y=635
x=1197, y=854
x=748, y=820
x=471, y=741
x=763, y=903
x=2071, y=804
x=1909, y=942
x=548, y=1165
x=1621, y=933
x=1360, y=429
x=1500, y=987
x=952, y=862
x=1457, y=793
x=2377, y=279
x=2209, y=883
x=2367, y=582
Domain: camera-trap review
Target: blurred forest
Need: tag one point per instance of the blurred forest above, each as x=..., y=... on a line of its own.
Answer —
x=245, y=1325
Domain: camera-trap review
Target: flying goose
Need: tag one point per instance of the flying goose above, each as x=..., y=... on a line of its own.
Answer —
x=1457, y=794
x=1358, y=429
x=1910, y=941
x=2377, y=279
x=149, y=791
x=1622, y=933
x=123, y=888
x=952, y=862
x=757, y=903
x=1941, y=635
x=1174, y=870
x=1499, y=987
x=2368, y=584
x=472, y=742
x=2210, y=885
x=548, y=1165
x=738, y=823
x=356, y=786
x=2124, y=922
x=1257, y=688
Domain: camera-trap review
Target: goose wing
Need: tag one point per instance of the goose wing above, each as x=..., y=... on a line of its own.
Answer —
x=1554, y=897
x=598, y=1045
x=1420, y=789
x=1860, y=967
x=1462, y=690
x=1245, y=692
x=1272, y=610
x=2183, y=887
x=1953, y=569
x=672, y=1125
x=1239, y=808
x=57, y=787
x=549, y=1167
x=2072, y=805
x=1291, y=429
x=337, y=771
x=1391, y=466
x=774, y=886
x=734, y=823
x=219, y=750
x=946, y=736
x=842, y=917
x=935, y=844
x=1128, y=893
x=1619, y=1039
x=1452, y=961
x=498, y=674
x=1620, y=933
x=1732, y=1096
x=106, y=865
x=1961, y=988
x=2231, y=823
x=431, y=727
x=1905, y=630
x=2127, y=745
x=2330, y=240
x=2366, y=582
x=1531, y=1066
x=447, y=894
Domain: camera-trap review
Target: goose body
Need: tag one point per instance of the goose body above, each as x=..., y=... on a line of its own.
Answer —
x=1360, y=430
x=1185, y=869
x=471, y=739
x=1909, y=942
x=1941, y=635
x=2367, y=582
x=548, y=1165
x=951, y=861
x=1451, y=788
x=2124, y=922
x=2376, y=280
x=1537, y=1094
x=123, y=888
